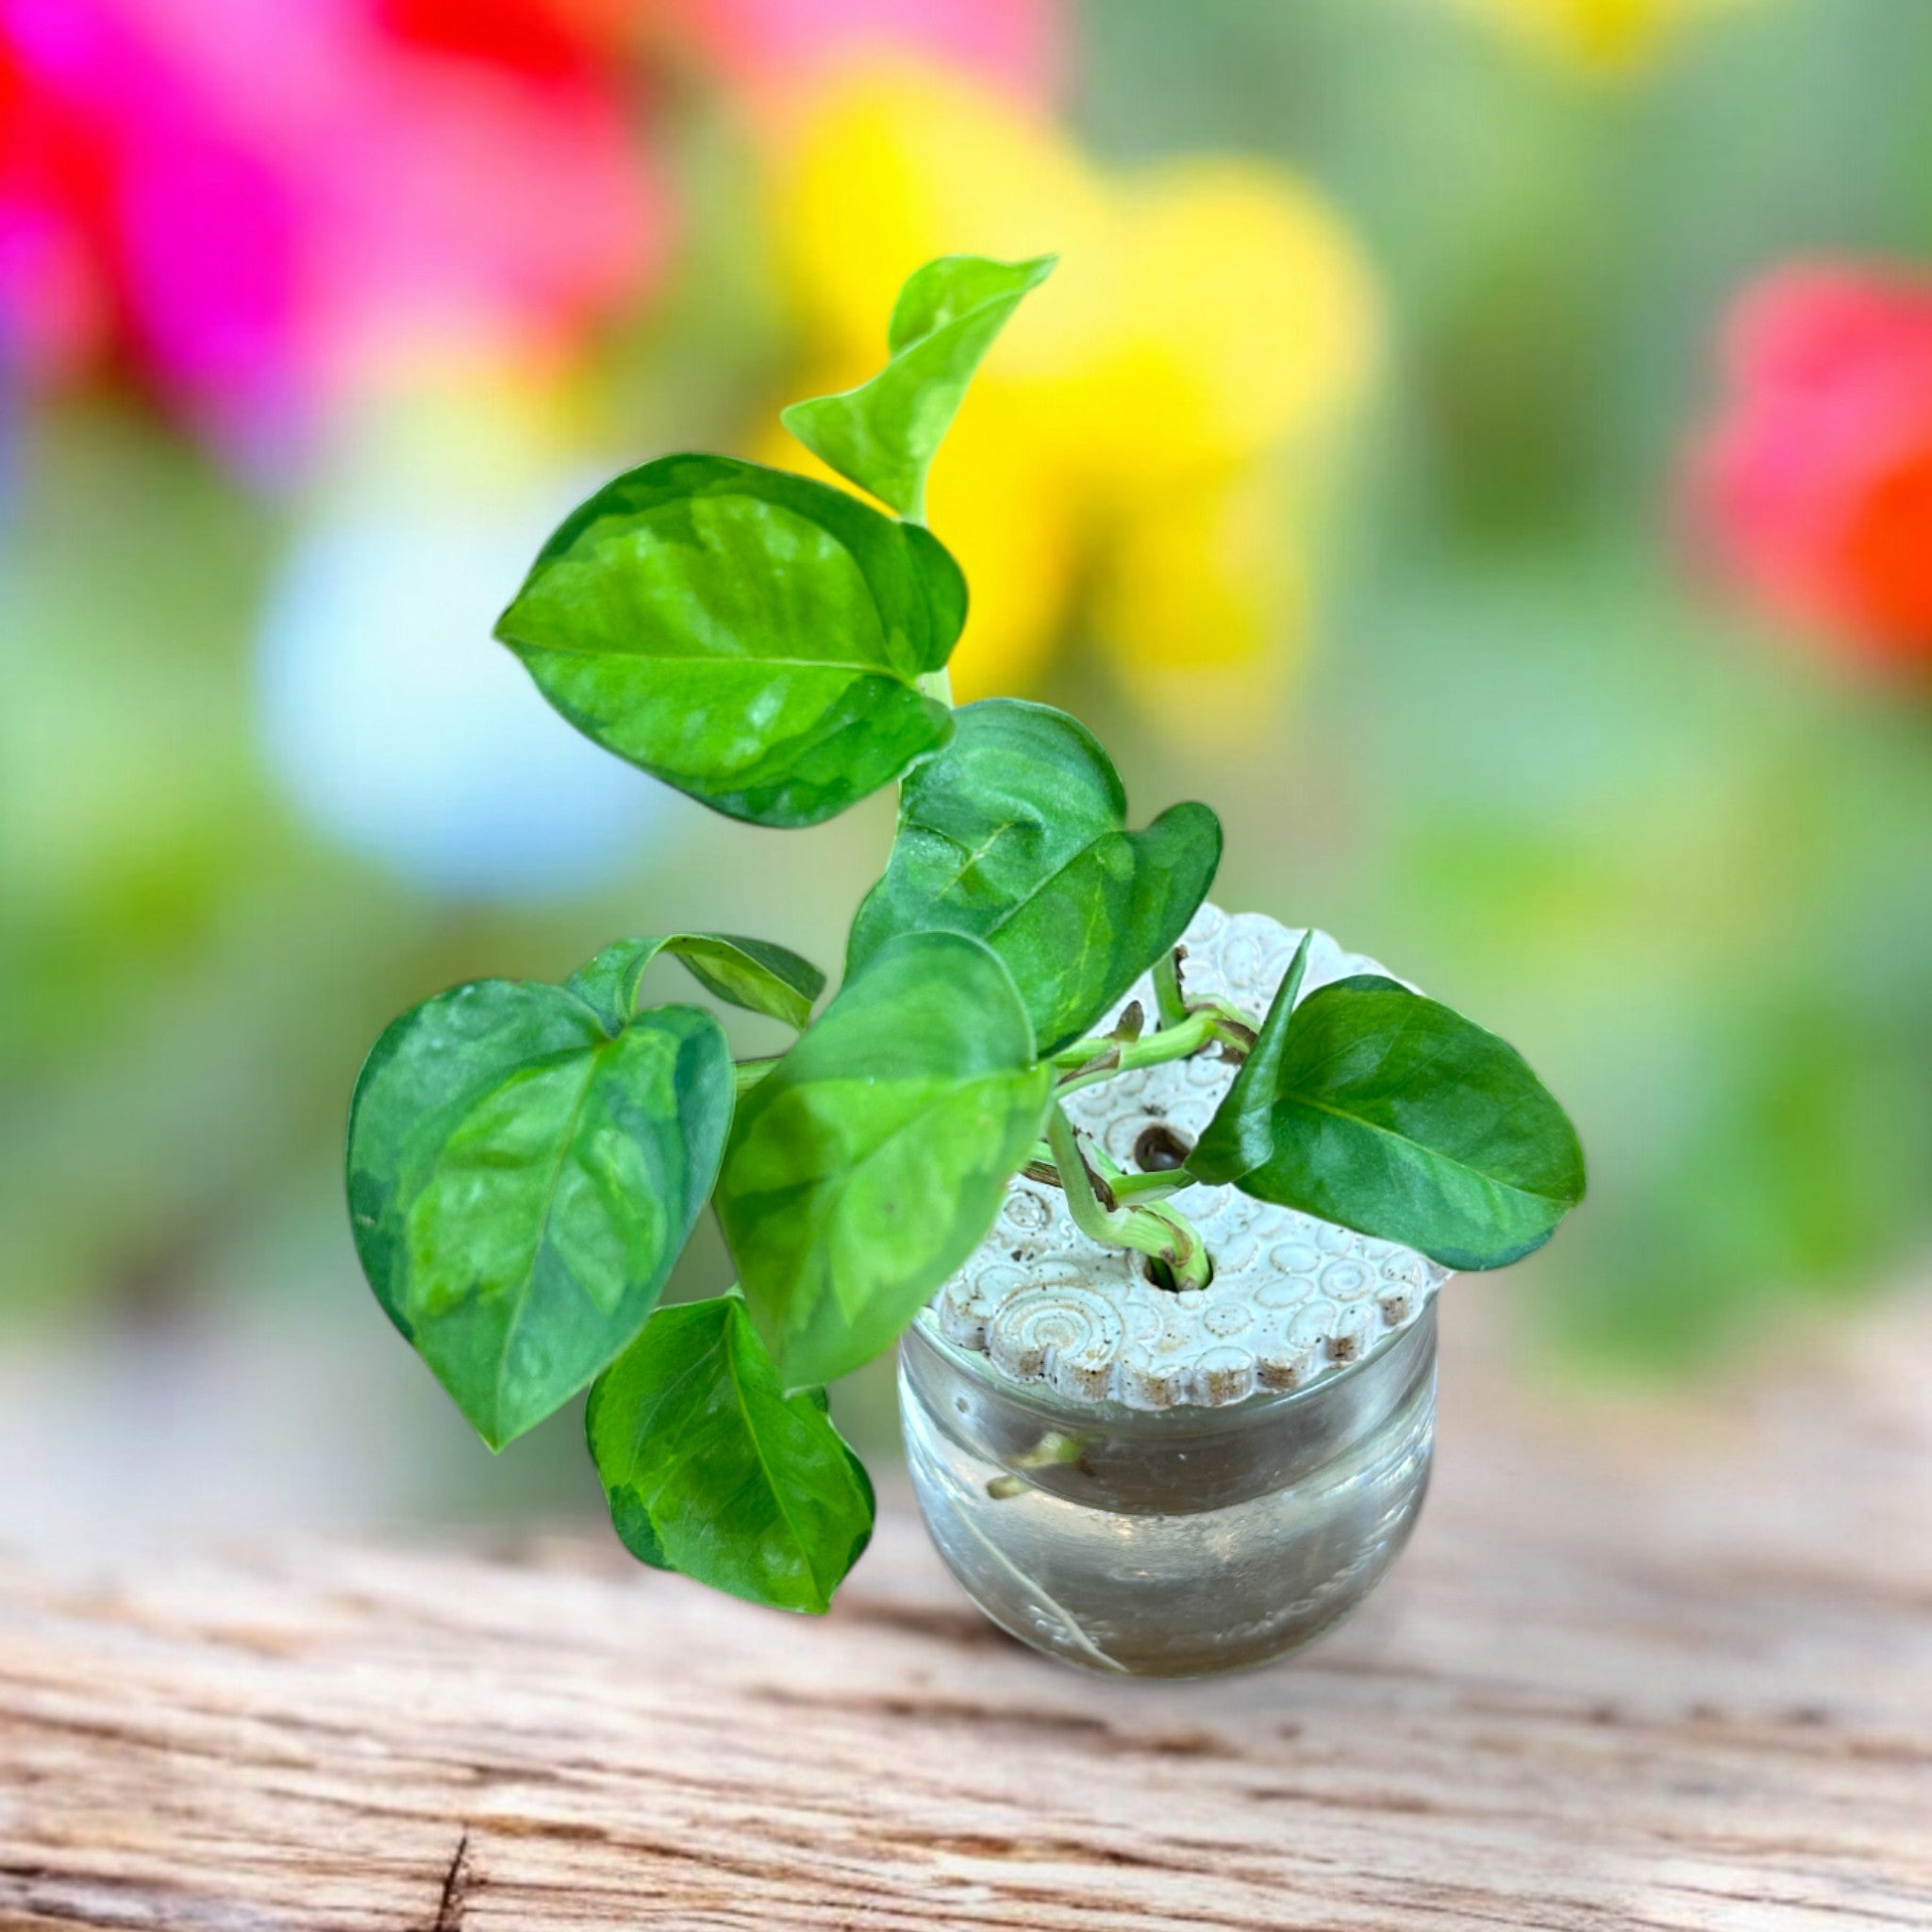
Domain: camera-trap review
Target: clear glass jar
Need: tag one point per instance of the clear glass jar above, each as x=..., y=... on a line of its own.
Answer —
x=1174, y=1543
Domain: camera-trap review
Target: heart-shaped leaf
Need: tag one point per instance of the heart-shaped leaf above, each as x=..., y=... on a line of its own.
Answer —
x=522, y=1174
x=1392, y=1115
x=752, y=973
x=867, y=1164
x=1016, y=832
x=712, y=1470
x=884, y=434
x=754, y=638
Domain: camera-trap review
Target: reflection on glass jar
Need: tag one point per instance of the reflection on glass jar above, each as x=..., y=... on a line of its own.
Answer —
x=1170, y=1542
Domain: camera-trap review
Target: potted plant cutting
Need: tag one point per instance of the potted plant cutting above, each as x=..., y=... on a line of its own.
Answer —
x=525, y=1160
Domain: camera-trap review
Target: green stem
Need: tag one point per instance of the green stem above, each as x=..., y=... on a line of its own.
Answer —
x=1039, y=1167
x=745, y=1075
x=1156, y=1231
x=1193, y=1032
x=1188, y=1259
x=937, y=685
x=1128, y=1185
x=1238, y=1029
x=1084, y=1050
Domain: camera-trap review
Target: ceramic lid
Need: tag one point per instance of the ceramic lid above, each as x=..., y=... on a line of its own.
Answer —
x=1293, y=1298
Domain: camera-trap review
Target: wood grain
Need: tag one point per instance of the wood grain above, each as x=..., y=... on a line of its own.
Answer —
x=1640, y=1669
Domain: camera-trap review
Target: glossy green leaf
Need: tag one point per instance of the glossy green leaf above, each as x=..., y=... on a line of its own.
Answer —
x=752, y=973
x=711, y=1470
x=754, y=638
x=1399, y=1118
x=1016, y=832
x=1242, y=1134
x=522, y=1170
x=884, y=434
x=866, y=1165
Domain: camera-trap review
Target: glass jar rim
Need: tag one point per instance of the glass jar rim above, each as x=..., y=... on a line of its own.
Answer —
x=1182, y=1417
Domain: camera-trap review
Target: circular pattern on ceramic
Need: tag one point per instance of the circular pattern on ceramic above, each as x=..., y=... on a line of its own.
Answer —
x=1293, y=1298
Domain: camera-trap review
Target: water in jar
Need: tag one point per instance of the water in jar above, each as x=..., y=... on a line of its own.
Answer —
x=1176, y=1543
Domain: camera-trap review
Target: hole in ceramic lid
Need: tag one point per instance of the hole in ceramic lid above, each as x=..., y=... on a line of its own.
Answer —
x=1160, y=1149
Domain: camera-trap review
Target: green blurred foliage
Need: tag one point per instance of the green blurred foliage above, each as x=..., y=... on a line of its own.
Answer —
x=1687, y=872
x=1695, y=884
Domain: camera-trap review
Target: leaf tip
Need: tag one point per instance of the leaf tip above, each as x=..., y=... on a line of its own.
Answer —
x=505, y=631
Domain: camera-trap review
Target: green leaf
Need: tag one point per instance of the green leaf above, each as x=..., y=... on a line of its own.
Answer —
x=711, y=1470
x=522, y=1170
x=1399, y=1118
x=1242, y=1134
x=1016, y=834
x=752, y=974
x=867, y=1164
x=754, y=638
x=884, y=434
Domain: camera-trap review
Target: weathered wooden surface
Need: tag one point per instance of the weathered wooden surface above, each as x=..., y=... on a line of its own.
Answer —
x=1636, y=1670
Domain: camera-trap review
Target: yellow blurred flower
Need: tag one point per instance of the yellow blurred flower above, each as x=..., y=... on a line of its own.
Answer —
x=1121, y=462
x=1602, y=34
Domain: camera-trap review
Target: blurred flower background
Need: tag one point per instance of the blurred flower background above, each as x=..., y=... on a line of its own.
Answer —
x=1483, y=447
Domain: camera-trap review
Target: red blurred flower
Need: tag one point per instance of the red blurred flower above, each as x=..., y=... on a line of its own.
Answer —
x=1814, y=487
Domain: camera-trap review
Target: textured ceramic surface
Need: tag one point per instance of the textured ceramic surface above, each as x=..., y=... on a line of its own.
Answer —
x=1292, y=1297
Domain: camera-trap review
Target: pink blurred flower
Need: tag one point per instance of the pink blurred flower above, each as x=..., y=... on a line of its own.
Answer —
x=784, y=47
x=254, y=201
x=1814, y=486
x=251, y=200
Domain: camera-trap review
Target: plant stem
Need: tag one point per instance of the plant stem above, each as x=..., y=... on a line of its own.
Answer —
x=1039, y=1167
x=1130, y=1210
x=937, y=685
x=1158, y=1232
x=1126, y=1185
x=1237, y=1028
x=745, y=1075
x=1193, y=1032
